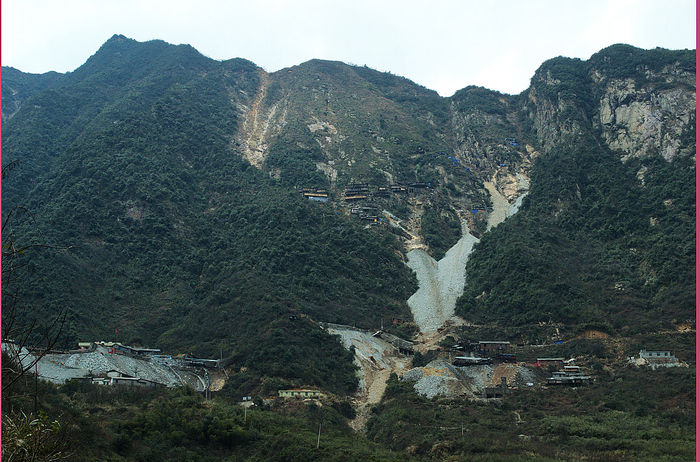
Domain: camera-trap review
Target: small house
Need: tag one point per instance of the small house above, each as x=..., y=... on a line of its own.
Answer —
x=135, y=351
x=492, y=345
x=199, y=362
x=404, y=347
x=470, y=361
x=661, y=355
x=86, y=346
x=497, y=391
x=547, y=362
x=656, y=358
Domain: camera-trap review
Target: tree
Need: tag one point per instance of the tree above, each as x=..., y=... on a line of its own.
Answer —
x=29, y=438
x=25, y=437
x=21, y=332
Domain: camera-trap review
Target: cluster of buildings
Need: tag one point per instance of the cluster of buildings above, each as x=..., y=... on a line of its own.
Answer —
x=136, y=366
x=490, y=351
x=570, y=375
x=482, y=352
x=357, y=192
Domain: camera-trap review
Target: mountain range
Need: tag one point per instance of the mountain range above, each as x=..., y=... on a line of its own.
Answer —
x=169, y=197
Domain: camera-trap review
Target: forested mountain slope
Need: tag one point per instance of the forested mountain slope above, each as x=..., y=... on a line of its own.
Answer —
x=606, y=236
x=175, y=240
x=174, y=180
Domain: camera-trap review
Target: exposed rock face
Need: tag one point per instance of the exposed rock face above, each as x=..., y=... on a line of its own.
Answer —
x=637, y=116
x=258, y=121
x=11, y=102
x=513, y=186
x=643, y=114
x=644, y=121
x=481, y=142
x=18, y=87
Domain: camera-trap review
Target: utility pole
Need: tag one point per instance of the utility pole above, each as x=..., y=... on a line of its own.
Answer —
x=318, y=441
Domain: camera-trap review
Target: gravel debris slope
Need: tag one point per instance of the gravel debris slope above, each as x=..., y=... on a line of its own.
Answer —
x=439, y=283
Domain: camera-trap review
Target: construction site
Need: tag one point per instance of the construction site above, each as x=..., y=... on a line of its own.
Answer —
x=109, y=363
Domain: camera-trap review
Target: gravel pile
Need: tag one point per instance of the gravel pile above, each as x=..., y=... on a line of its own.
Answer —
x=478, y=376
x=435, y=379
x=373, y=349
x=58, y=368
x=441, y=283
x=55, y=372
x=525, y=376
x=101, y=363
x=502, y=209
x=414, y=374
x=431, y=386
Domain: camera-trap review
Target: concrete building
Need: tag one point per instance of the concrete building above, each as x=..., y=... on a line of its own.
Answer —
x=656, y=358
x=299, y=393
x=571, y=375
x=492, y=346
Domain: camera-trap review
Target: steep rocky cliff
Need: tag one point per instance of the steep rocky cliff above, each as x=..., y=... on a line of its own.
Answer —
x=638, y=103
x=646, y=119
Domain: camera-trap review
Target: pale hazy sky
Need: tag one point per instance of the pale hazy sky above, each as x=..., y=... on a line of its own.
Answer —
x=444, y=45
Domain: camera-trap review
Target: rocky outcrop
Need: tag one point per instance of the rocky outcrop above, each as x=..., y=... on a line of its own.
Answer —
x=644, y=121
x=638, y=112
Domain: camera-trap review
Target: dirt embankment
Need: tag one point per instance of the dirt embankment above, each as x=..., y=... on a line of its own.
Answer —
x=377, y=360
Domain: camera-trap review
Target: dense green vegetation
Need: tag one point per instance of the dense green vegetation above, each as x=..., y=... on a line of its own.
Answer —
x=124, y=423
x=178, y=243
x=628, y=62
x=441, y=228
x=633, y=414
x=471, y=99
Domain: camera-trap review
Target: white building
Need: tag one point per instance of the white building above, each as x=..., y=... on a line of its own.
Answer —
x=655, y=358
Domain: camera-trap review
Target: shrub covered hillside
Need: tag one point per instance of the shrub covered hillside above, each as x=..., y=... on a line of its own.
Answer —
x=172, y=239
x=592, y=246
